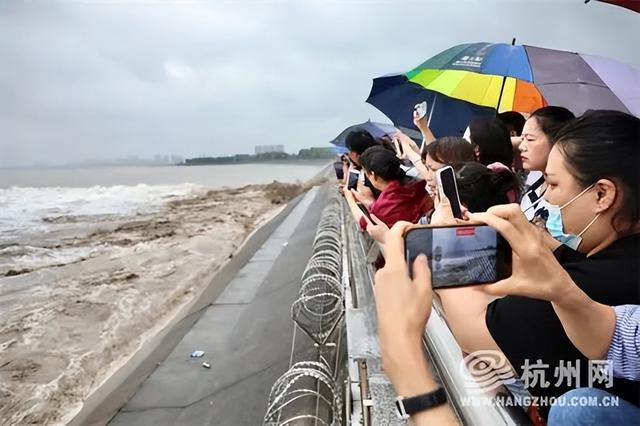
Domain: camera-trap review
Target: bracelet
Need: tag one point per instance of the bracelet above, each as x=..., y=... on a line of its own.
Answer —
x=415, y=404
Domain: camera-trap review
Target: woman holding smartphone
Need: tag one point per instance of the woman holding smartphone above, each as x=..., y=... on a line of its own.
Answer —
x=594, y=189
x=400, y=198
x=403, y=305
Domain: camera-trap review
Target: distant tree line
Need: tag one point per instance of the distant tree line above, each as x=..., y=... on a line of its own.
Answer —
x=303, y=154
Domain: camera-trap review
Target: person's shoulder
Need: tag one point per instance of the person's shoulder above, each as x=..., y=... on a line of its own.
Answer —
x=624, y=248
x=415, y=182
x=610, y=276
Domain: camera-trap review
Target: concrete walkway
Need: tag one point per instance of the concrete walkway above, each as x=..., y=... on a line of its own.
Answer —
x=246, y=334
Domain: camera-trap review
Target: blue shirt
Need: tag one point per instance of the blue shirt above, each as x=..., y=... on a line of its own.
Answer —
x=624, y=351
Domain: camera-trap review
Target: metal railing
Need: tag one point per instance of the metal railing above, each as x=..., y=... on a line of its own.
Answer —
x=372, y=394
x=345, y=383
x=311, y=392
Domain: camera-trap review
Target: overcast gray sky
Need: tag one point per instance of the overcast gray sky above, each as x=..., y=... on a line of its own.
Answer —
x=101, y=79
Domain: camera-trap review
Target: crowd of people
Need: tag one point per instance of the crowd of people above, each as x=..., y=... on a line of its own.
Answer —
x=564, y=192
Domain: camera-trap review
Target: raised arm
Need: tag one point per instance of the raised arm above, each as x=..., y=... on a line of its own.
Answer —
x=421, y=124
x=588, y=324
x=403, y=306
x=412, y=153
x=350, y=197
x=465, y=308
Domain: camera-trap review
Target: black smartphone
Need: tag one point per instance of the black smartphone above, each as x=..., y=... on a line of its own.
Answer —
x=352, y=183
x=460, y=255
x=446, y=179
x=365, y=211
x=337, y=167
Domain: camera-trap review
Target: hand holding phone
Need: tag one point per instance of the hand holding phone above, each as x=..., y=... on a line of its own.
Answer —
x=420, y=111
x=460, y=255
x=365, y=211
x=352, y=183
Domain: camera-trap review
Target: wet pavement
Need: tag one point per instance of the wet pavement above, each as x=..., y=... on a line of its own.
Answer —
x=246, y=335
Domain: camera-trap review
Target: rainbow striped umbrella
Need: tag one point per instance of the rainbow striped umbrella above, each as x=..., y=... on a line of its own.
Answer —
x=524, y=78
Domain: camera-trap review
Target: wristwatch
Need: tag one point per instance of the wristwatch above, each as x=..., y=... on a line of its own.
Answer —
x=408, y=406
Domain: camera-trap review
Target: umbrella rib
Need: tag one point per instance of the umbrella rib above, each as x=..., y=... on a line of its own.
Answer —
x=604, y=86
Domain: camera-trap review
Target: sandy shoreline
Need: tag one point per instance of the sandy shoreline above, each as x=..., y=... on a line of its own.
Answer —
x=64, y=330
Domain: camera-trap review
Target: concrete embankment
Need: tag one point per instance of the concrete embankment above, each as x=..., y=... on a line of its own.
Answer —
x=242, y=323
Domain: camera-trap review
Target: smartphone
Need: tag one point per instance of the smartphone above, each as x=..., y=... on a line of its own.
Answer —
x=460, y=255
x=365, y=211
x=446, y=180
x=337, y=167
x=421, y=110
x=352, y=183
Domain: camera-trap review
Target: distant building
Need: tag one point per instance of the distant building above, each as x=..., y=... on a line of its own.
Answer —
x=266, y=149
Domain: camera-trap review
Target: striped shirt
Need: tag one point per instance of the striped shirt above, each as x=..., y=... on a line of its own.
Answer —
x=624, y=351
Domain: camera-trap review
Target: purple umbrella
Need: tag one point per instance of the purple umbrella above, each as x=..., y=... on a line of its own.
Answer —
x=377, y=130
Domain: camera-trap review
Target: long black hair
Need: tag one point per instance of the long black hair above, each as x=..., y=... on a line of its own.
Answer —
x=359, y=141
x=551, y=119
x=480, y=187
x=492, y=138
x=514, y=121
x=382, y=162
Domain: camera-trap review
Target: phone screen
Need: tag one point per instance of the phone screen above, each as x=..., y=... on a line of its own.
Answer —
x=353, y=179
x=447, y=180
x=460, y=255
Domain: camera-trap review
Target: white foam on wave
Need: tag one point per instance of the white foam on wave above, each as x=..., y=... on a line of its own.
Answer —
x=23, y=212
x=28, y=257
x=23, y=209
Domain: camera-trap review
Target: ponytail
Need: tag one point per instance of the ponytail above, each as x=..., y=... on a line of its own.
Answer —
x=383, y=162
x=481, y=187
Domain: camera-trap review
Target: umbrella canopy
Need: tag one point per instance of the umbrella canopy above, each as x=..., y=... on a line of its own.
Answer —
x=524, y=78
x=629, y=4
x=395, y=96
x=377, y=130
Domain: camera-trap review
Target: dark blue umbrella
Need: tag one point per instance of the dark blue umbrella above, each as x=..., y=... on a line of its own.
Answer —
x=396, y=96
x=377, y=130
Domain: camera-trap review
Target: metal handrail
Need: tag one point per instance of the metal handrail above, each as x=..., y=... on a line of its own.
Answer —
x=440, y=345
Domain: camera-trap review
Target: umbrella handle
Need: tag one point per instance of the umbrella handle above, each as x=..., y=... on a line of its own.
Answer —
x=433, y=106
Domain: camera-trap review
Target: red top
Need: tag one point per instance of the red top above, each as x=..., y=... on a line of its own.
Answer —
x=398, y=201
